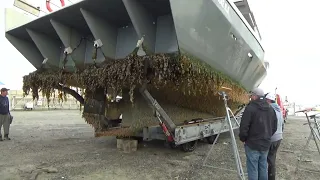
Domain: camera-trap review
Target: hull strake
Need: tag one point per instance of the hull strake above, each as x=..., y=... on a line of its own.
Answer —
x=213, y=34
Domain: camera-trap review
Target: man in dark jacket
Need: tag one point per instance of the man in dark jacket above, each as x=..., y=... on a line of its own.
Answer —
x=258, y=124
x=5, y=116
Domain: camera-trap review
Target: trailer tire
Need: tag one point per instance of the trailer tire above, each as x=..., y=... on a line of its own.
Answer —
x=139, y=139
x=211, y=139
x=189, y=146
x=173, y=145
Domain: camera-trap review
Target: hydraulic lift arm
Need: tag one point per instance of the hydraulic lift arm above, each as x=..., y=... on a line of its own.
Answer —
x=159, y=111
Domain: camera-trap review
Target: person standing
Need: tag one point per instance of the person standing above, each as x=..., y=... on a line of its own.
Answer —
x=276, y=138
x=5, y=116
x=258, y=124
x=285, y=115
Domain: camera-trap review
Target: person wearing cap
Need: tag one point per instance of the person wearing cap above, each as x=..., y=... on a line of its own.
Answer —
x=258, y=124
x=276, y=138
x=5, y=116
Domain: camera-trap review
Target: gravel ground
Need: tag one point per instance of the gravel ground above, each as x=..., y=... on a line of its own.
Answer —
x=59, y=145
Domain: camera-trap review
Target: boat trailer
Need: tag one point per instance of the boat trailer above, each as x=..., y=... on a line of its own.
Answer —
x=186, y=135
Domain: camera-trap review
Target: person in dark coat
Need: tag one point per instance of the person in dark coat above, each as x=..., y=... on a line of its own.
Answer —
x=5, y=116
x=258, y=124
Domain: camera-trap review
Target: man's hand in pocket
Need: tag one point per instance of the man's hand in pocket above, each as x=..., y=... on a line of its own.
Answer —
x=11, y=118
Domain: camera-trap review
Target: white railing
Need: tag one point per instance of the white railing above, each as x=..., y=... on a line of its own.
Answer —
x=38, y=9
x=18, y=102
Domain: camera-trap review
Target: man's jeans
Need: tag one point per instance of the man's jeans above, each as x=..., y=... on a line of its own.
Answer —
x=257, y=166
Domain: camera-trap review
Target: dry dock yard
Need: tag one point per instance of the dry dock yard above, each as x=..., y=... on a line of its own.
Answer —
x=60, y=145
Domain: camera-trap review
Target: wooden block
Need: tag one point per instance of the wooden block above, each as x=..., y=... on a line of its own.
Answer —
x=127, y=145
x=134, y=145
x=119, y=144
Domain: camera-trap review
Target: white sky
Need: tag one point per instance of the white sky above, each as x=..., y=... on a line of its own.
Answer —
x=289, y=30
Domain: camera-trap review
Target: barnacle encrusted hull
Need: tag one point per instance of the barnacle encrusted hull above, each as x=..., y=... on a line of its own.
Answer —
x=185, y=88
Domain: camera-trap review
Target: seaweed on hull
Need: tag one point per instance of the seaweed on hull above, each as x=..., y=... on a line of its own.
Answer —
x=176, y=79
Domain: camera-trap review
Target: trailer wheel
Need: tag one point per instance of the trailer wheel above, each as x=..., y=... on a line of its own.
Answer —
x=139, y=139
x=173, y=145
x=211, y=139
x=189, y=146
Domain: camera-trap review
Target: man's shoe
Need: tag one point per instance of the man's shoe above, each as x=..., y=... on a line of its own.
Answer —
x=6, y=137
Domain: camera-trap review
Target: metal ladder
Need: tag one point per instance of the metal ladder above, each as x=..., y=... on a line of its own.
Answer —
x=317, y=126
x=314, y=134
x=314, y=131
x=236, y=154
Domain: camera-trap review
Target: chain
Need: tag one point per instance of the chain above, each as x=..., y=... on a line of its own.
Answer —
x=64, y=61
x=95, y=55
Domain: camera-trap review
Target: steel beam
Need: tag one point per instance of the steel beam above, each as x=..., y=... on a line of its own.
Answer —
x=127, y=41
x=143, y=22
x=166, y=37
x=27, y=49
x=73, y=42
x=48, y=47
x=104, y=31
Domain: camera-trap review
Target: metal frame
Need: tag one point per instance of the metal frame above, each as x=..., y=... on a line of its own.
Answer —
x=241, y=174
x=210, y=127
x=314, y=131
x=182, y=134
x=314, y=134
x=159, y=111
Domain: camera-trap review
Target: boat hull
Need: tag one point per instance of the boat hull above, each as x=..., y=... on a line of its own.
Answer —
x=209, y=31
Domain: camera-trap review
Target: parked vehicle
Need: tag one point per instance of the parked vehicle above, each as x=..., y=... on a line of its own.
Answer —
x=283, y=110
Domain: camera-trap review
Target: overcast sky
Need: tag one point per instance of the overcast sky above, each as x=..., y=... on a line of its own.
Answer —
x=289, y=30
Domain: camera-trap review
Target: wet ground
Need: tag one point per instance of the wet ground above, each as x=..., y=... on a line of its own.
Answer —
x=59, y=145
